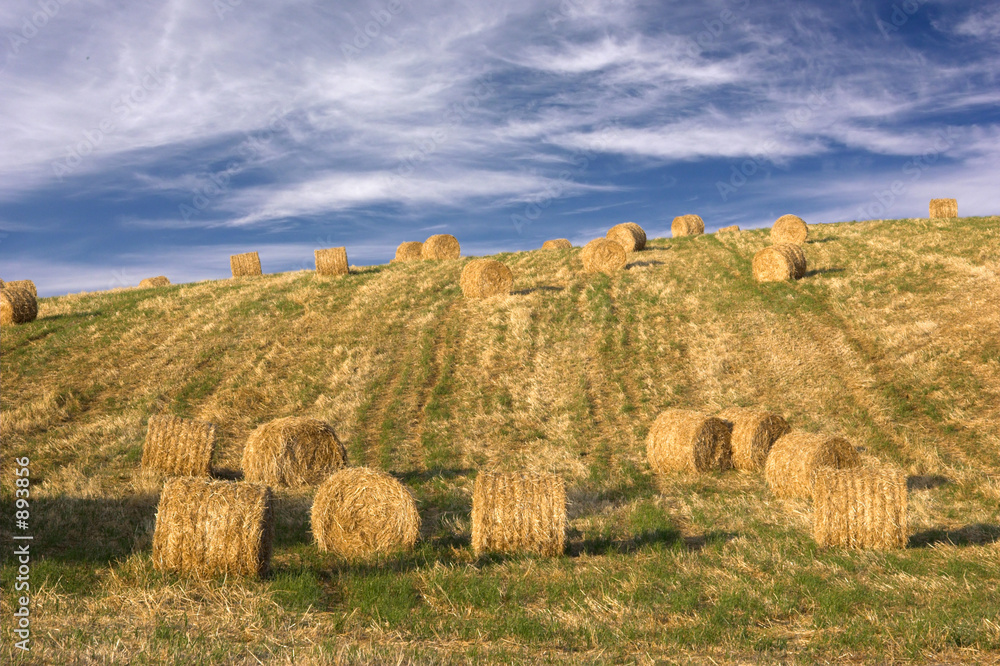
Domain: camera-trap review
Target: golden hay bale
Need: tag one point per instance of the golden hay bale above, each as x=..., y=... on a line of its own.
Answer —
x=754, y=432
x=213, y=527
x=629, y=235
x=727, y=230
x=360, y=512
x=245, y=265
x=687, y=225
x=519, y=513
x=2, y=283
x=860, y=508
x=482, y=278
x=17, y=305
x=26, y=285
x=789, y=229
x=332, y=261
x=779, y=262
x=686, y=440
x=441, y=246
x=292, y=451
x=557, y=244
x=409, y=251
x=178, y=447
x=945, y=208
x=795, y=457
x=603, y=256
x=158, y=281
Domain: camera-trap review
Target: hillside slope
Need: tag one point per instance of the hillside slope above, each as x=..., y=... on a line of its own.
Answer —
x=892, y=340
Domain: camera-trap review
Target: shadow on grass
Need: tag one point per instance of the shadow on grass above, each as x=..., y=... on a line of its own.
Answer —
x=828, y=239
x=664, y=537
x=643, y=264
x=227, y=474
x=977, y=534
x=925, y=482
x=823, y=271
x=429, y=475
x=525, y=292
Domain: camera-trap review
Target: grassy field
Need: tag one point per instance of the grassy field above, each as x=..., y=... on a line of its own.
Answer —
x=892, y=340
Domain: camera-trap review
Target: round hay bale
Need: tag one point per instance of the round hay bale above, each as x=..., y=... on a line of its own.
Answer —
x=359, y=512
x=603, y=256
x=292, y=451
x=779, y=262
x=482, y=278
x=27, y=285
x=943, y=208
x=17, y=306
x=158, y=281
x=687, y=225
x=519, y=513
x=178, y=447
x=245, y=265
x=629, y=235
x=795, y=457
x=331, y=261
x=409, y=251
x=754, y=433
x=860, y=508
x=789, y=229
x=729, y=230
x=686, y=440
x=557, y=244
x=2, y=283
x=441, y=246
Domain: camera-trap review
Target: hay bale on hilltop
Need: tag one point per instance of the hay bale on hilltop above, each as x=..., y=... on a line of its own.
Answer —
x=331, y=261
x=158, y=281
x=409, y=251
x=860, y=508
x=26, y=285
x=292, y=451
x=359, y=512
x=245, y=265
x=557, y=244
x=17, y=305
x=603, y=256
x=629, y=235
x=482, y=278
x=687, y=225
x=178, y=447
x=519, y=513
x=686, y=440
x=795, y=457
x=754, y=433
x=441, y=246
x=2, y=283
x=206, y=528
x=729, y=230
x=789, y=229
x=943, y=208
x=779, y=262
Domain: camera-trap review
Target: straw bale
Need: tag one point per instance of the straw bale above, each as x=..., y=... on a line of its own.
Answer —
x=158, y=281
x=409, y=251
x=943, y=208
x=727, y=230
x=754, y=432
x=789, y=229
x=441, y=246
x=686, y=440
x=178, y=447
x=332, y=261
x=519, y=513
x=17, y=305
x=687, y=225
x=2, y=283
x=795, y=457
x=860, y=508
x=779, y=262
x=629, y=235
x=359, y=512
x=292, y=451
x=603, y=256
x=557, y=244
x=245, y=265
x=26, y=285
x=206, y=528
x=482, y=278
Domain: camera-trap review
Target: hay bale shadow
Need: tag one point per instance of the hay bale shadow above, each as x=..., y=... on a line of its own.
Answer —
x=644, y=264
x=227, y=474
x=525, y=292
x=828, y=239
x=291, y=520
x=823, y=271
x=576, y=545
x=445, y=517
x=698, y=542
x=976, y=534
x=925, y=481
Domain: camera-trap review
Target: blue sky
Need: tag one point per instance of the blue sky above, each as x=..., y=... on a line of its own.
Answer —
x=158, y=138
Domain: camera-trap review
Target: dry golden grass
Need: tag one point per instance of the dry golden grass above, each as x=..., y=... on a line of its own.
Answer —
x=728, y=230
x=245, y=265
x=519, y=513
x=178, y=447
x=332, y=261
x=557, y=244
x=158, y=281
x=860, y=508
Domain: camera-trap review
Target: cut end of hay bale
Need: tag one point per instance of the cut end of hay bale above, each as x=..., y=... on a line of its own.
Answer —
x=206, y=528
x=245, y=265
x=603, y=256
x=860, y=508
x=331, y=261
x=441, y=246
x=519, y=513
x=689, y=441
x=178, y=447
x=409, y=251
x=26, y=285
x=482, y=278
x=17, y=305
x=292, y=451
x=629, y=235
x=943, y=208
x=557, y=244
x=779, y=262
x=360, y=512
x=729, y=230
x=158, y=281
x=789, y=229
x=795, y=457
x=754, y=433
x=687, y=225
